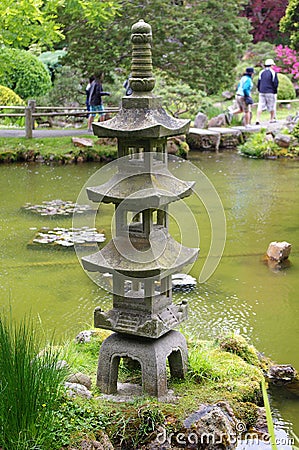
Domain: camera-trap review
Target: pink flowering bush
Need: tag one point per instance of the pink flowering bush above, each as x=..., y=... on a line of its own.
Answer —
x=287, y=61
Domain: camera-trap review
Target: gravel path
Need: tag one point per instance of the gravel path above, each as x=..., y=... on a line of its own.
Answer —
x=43, y=133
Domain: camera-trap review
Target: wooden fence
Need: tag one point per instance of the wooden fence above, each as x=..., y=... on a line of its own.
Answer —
x=31, y=112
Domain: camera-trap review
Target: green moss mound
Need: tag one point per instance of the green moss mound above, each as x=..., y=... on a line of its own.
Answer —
x=22, y=72
x=238, y=345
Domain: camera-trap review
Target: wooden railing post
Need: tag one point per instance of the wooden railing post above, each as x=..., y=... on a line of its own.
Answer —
x=32, y=105
x=28, y=122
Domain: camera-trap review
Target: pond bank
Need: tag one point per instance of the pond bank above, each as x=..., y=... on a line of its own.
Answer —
x=218, y=402
x=60, y=149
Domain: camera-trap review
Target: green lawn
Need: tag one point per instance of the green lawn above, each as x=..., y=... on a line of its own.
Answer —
x=53, y=149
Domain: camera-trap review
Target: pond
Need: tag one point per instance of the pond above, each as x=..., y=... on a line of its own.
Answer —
x=260, y=200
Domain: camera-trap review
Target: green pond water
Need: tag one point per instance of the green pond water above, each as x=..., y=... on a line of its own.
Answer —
x=260, y=200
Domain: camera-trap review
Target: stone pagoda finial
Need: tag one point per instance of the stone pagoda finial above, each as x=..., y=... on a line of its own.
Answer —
x=142, y=79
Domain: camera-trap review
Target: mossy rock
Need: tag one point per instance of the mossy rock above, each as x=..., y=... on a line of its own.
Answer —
x=214, y=376
x=237, y=344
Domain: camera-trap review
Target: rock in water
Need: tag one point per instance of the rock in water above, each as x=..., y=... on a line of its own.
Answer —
x=279, y=251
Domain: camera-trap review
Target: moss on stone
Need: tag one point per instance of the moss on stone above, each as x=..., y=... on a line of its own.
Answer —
x=215, y=374
x=238, y=345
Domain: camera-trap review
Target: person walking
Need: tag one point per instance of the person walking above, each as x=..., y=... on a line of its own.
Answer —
x=243, y=96
x=96, y=93
x=87, y=92
x=267, y=86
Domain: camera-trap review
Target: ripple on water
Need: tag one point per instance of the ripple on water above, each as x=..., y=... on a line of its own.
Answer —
x=213, y=312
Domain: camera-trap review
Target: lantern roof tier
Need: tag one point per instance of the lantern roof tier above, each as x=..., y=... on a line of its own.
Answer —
x=141, y=117
x=138, y=257
x=150, y=190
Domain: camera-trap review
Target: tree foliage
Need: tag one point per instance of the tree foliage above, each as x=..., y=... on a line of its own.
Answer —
x=290, y=22
x=198, y=41
x=23, y=73
x=27, y=22
x=265, y=16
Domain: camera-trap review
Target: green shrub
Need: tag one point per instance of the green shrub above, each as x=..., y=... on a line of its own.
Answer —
x=258, y=146
x=286, y=90
x=9, y=97
x=295, y=131
x=52, y=61
x=30, y=386
x=23, y=73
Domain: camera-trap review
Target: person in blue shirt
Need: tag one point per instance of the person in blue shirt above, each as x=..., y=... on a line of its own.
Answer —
x=267, y=86
x=244, y=91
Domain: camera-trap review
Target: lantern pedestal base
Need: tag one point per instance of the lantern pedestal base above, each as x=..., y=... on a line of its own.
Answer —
x=151, y=355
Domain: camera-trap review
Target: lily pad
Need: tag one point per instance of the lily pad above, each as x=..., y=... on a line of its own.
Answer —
x=57, y=208
x=66, y=237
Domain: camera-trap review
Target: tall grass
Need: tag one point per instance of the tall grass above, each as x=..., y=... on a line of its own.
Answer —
x=269, y=417
x=30, y=386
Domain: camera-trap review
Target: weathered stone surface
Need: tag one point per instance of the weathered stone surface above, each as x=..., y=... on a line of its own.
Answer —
x=102, y=443
x=279, y=251
x=218, y=121
x=261, y=425
x=80, y=378
x=230, y=138
x=84, y=336
x=228, y=95
x=284, y=140
x=74, y=389
x=82, y=142
x=142, y=254
x=177, y=145
x=269, y=137
x=203, y=140
x=214, y=426
x=282, y=372
x=151, y=354
x=201, y=121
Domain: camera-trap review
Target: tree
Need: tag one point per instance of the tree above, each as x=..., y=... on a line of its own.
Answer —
x=264, y=16
x=198, y=42
x=27, y=22
x=290, y=23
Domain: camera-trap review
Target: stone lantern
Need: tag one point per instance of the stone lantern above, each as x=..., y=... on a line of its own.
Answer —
x=142, y=256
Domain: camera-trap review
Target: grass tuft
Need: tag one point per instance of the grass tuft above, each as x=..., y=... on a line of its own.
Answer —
x=30, y=386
